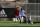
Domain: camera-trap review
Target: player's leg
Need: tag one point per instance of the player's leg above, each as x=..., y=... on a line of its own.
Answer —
x=20, y=19
x=24, y=18
x=27, y=21
x=17, y=17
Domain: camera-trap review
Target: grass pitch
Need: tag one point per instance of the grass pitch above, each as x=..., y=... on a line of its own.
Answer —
x=18, y=24
x=11, y=23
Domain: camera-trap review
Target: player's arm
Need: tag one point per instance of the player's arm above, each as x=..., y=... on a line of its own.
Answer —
x=25, y=13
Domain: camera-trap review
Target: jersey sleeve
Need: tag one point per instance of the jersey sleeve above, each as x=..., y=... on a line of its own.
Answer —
x=23, y=10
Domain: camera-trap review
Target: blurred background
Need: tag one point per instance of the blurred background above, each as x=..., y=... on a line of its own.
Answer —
x=32, y=7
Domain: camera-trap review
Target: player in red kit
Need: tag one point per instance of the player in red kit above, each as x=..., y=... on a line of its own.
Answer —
x=16, y=11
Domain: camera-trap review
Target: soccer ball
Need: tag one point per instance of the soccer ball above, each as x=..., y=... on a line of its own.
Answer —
x=31, y=22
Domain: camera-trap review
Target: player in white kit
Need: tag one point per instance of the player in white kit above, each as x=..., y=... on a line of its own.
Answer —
x=28, y=20
x=22, y=14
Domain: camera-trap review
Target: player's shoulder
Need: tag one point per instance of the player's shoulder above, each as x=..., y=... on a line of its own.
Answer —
x=18, y=9
x=23, y=10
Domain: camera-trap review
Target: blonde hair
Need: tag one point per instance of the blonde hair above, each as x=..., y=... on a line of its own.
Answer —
x=19, y=7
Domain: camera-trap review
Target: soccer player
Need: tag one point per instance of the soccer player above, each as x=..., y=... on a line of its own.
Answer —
x=22, y=13
x=21, y=19
x=28, y=20
x=16, y=11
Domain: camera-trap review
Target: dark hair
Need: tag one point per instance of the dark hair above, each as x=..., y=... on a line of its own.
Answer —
x=22, y=8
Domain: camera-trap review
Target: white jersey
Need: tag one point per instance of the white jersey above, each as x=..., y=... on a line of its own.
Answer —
x=29, y=18
x=22, y=13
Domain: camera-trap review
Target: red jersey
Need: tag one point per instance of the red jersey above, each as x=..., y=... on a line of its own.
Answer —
x=16, y=12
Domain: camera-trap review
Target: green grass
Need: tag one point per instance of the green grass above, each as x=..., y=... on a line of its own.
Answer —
x=18, y=24
x=12, y=23
x=9, y=21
